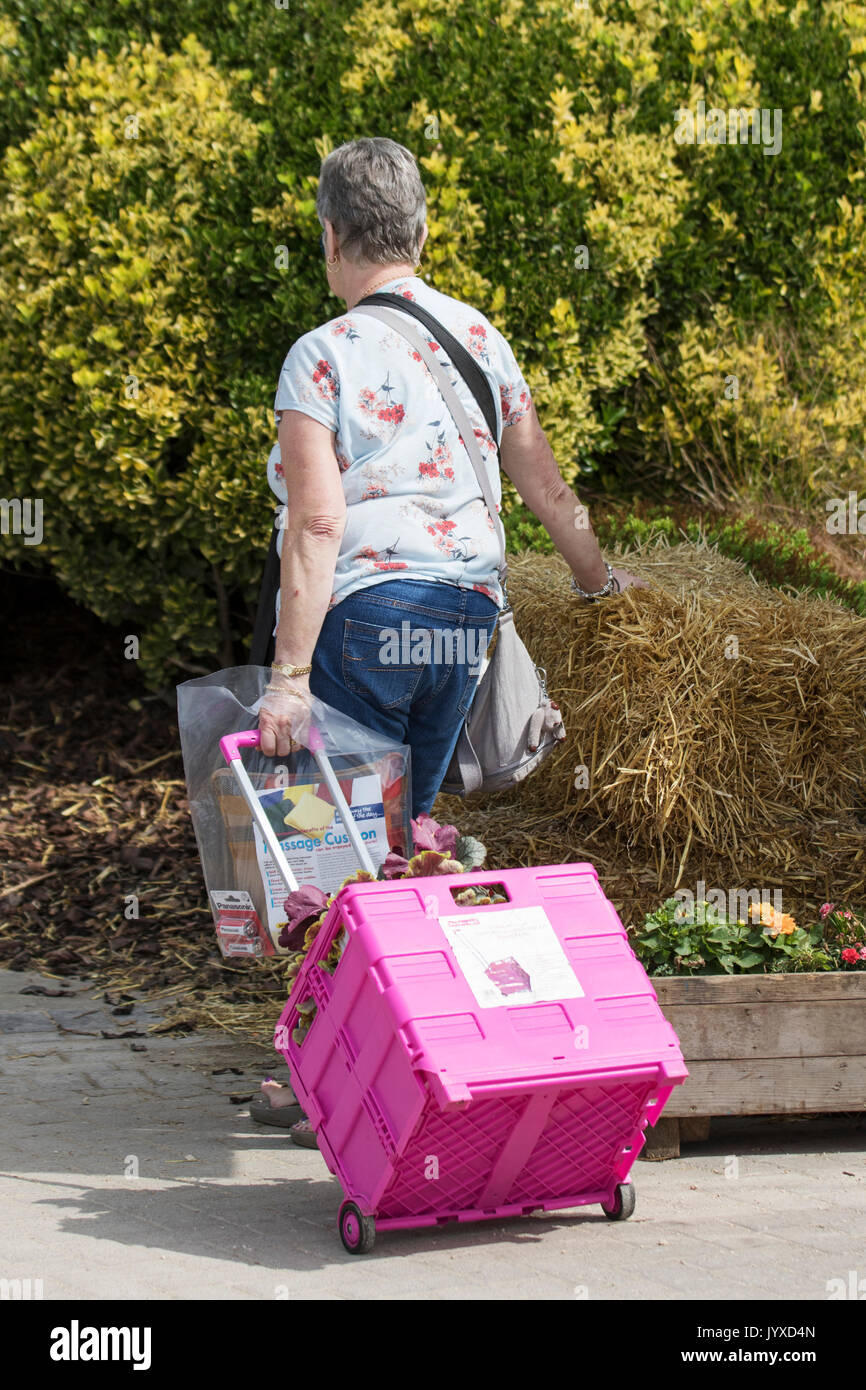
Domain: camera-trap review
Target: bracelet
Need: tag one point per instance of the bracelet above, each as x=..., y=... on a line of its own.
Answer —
x=286, y=690
x=612, y=586
x=285, y=668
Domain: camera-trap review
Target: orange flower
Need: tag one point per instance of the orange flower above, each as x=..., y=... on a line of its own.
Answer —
x=774, y=921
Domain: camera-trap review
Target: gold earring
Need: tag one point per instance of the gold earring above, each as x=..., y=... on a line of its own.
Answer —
x=333, y=260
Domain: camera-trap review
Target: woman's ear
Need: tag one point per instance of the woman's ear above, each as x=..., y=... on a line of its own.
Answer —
x=423, y=238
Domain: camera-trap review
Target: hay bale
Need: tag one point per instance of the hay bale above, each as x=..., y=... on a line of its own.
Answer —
x=721, y=724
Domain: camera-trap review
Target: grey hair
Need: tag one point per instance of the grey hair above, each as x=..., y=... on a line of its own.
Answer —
x=371, y=191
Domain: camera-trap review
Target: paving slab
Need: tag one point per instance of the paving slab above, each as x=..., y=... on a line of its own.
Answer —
x=132, y=1174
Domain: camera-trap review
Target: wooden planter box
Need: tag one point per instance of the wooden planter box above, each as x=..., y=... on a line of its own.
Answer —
x=762, y=1045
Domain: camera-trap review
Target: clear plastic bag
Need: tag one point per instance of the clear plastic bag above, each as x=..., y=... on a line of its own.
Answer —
x=244, y=886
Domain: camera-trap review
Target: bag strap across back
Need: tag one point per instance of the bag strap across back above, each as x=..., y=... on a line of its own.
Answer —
x=386, y=312
x=457, y=353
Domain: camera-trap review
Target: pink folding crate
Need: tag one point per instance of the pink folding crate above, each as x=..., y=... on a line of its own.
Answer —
x=450, y=1081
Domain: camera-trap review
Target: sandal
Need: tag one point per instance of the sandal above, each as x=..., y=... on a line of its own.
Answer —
x=284, y=1116
x=304, y=1135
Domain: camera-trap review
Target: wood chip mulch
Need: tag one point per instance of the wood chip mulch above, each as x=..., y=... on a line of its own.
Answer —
x=94, y=817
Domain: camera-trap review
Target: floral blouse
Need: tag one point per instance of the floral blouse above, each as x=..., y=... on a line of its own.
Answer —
x=414, y=509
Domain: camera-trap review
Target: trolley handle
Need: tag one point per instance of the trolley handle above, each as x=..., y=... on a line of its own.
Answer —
x=231, y=745
x=248, y=738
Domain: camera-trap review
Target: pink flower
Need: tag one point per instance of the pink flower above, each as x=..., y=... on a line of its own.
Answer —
x=427, y=833
x=301, y=908
x=850, y=956
x=825, y=909
x=395, y=864
x=863, y=952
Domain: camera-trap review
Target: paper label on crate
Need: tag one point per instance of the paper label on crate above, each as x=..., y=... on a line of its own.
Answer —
x=511, y=956
x=313, y=839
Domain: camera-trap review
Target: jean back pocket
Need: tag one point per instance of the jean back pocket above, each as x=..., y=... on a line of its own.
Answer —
x=380, y=664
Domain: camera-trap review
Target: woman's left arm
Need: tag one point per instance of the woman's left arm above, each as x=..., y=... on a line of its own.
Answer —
x=316, y=508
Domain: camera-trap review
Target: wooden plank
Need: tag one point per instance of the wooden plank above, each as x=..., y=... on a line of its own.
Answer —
x=747, y=989
x=663, y=1141
x=694, y=1129
x=770, y=1086
x=820, y=1028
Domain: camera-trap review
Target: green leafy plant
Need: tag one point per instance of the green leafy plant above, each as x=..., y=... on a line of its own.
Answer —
x=780, y=557
x=683, y=939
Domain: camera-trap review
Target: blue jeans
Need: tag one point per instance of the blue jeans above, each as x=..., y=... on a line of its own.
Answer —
x=402, y=657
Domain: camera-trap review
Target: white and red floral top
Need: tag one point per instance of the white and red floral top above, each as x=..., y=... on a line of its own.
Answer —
x=414, y=509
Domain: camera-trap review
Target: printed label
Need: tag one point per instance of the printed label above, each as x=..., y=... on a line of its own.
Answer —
x=314, y=841
x=227, y=899
x=232, y=946
x=511, y=956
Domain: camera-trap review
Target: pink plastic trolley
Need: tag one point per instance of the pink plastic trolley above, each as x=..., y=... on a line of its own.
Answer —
x=433, y=1104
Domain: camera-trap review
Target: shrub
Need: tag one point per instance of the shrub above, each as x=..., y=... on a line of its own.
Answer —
x=112, y=361
x=541, y=128
x=757, y=373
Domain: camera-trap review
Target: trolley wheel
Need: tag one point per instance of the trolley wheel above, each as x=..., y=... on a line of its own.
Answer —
x=622, y=1206
x=357, y=1231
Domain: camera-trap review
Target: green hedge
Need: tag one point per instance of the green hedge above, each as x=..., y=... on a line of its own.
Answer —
x=150, y=264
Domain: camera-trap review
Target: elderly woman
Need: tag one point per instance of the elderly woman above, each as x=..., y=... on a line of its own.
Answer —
x=385, y=522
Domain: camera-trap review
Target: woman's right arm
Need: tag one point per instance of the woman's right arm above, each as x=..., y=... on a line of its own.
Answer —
x=528, y=460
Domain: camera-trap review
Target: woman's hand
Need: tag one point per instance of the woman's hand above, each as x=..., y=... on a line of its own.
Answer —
x=284, y=715
x=528, y=460
x=627, y=580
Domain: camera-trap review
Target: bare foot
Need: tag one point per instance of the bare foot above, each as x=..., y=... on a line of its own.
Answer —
x=304, y=1135
x=277, y=1096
